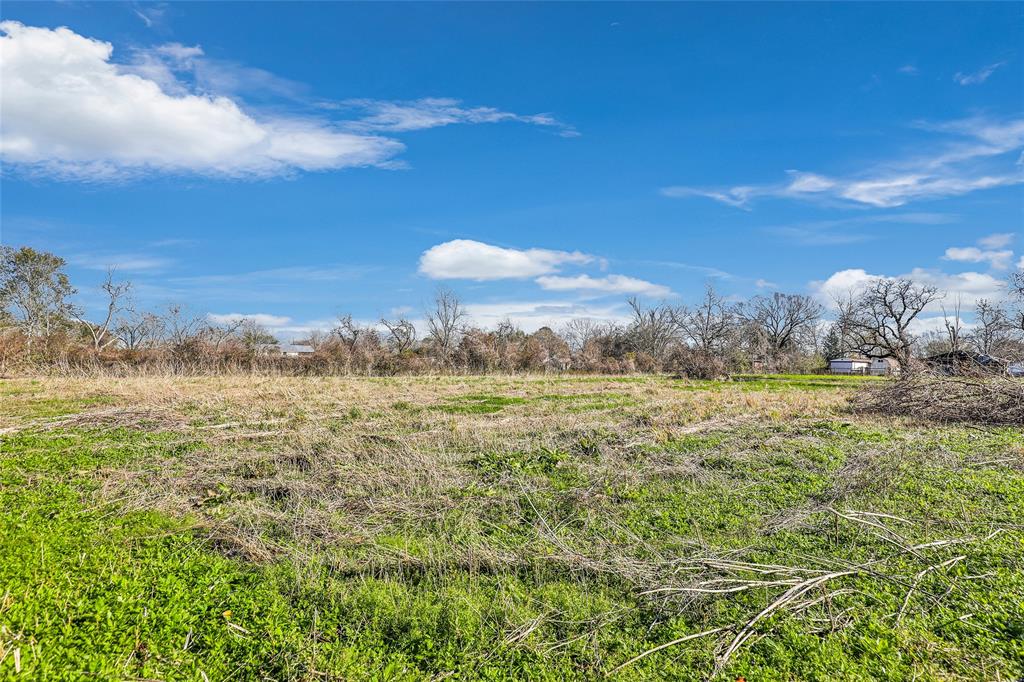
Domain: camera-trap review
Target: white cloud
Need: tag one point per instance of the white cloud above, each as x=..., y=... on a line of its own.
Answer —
x=898, y=190
x=69, y=111
x=262, y=319
x=151, y=14
x=532, y=315
x=970, y=159
x=434, y=112
x=121, y=262
x=765, y=284
x=969, y=287
x=999, y=260
x=937, y=323
x=909, y=70
x=997, y=240
x=171, y=63
x=991, y=251
x=611, y=284
x=977, y=77
x=469, y=259
x=296, y=273
x=734, y=196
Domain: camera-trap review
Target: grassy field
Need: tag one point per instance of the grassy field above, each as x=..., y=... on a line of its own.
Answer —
x=501, y=528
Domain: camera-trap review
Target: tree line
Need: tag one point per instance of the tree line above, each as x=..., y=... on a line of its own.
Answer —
x=42, y=327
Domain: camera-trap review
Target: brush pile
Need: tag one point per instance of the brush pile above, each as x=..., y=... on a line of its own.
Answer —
x=967, y=398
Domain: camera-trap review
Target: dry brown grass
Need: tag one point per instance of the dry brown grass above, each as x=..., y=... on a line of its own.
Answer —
x=317, y=462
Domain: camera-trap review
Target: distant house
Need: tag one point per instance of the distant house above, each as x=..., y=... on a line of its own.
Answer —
x=290, y=350
x=961, y=362
x=881, y=367
x=849, y=366
x=874, y=366
x=293, y=350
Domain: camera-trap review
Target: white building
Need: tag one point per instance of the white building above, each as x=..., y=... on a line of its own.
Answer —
x=849, y=366
x=874, y=366
x=295, y=350
x=289, y=350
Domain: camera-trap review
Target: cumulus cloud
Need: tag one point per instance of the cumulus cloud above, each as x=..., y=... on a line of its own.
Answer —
x=469, y=259
x=972, y=157
x=968, y=287
x=611, y=284
x=999, y=260
x=68, y=110
x=262, y=319
x=987, y=251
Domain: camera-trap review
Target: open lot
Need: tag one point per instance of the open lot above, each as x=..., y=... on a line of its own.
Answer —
x=249, y=528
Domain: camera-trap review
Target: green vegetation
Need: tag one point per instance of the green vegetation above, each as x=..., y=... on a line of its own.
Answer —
x=517, y=533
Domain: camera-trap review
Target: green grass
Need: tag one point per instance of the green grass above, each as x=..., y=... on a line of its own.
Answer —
x=531, y=565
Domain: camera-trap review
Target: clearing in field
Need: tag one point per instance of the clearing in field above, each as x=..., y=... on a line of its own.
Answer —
x=500, y=528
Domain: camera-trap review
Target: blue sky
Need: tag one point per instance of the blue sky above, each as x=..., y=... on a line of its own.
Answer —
x=295, y=161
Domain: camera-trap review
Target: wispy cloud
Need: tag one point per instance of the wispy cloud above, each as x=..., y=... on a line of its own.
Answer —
x=909, y=70
x=609, y=284
x=298, y=273
x=152, y=14
x=979, y=76
x=852, y=230
x=436, y=112
x=705, y=270
x=262, y=319
x=181, y=69
x=972, y=157
x=122, y=262
x=997, y=240
x=532, y=315
x=172, y=242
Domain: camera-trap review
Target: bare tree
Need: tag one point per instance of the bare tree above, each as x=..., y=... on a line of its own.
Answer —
x=136, y=329
x=349, y=331
x=179, y=325
x=993, y=330
x=445, y=321
x=653, y=329
x=1017, y=292
x=709, y=325
x=315, y=339
x=782, y=320
x=876, y=321
x=954, y=327
x=401, y=334
x=117, y=295
x=218, y=333
x=580, y=331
